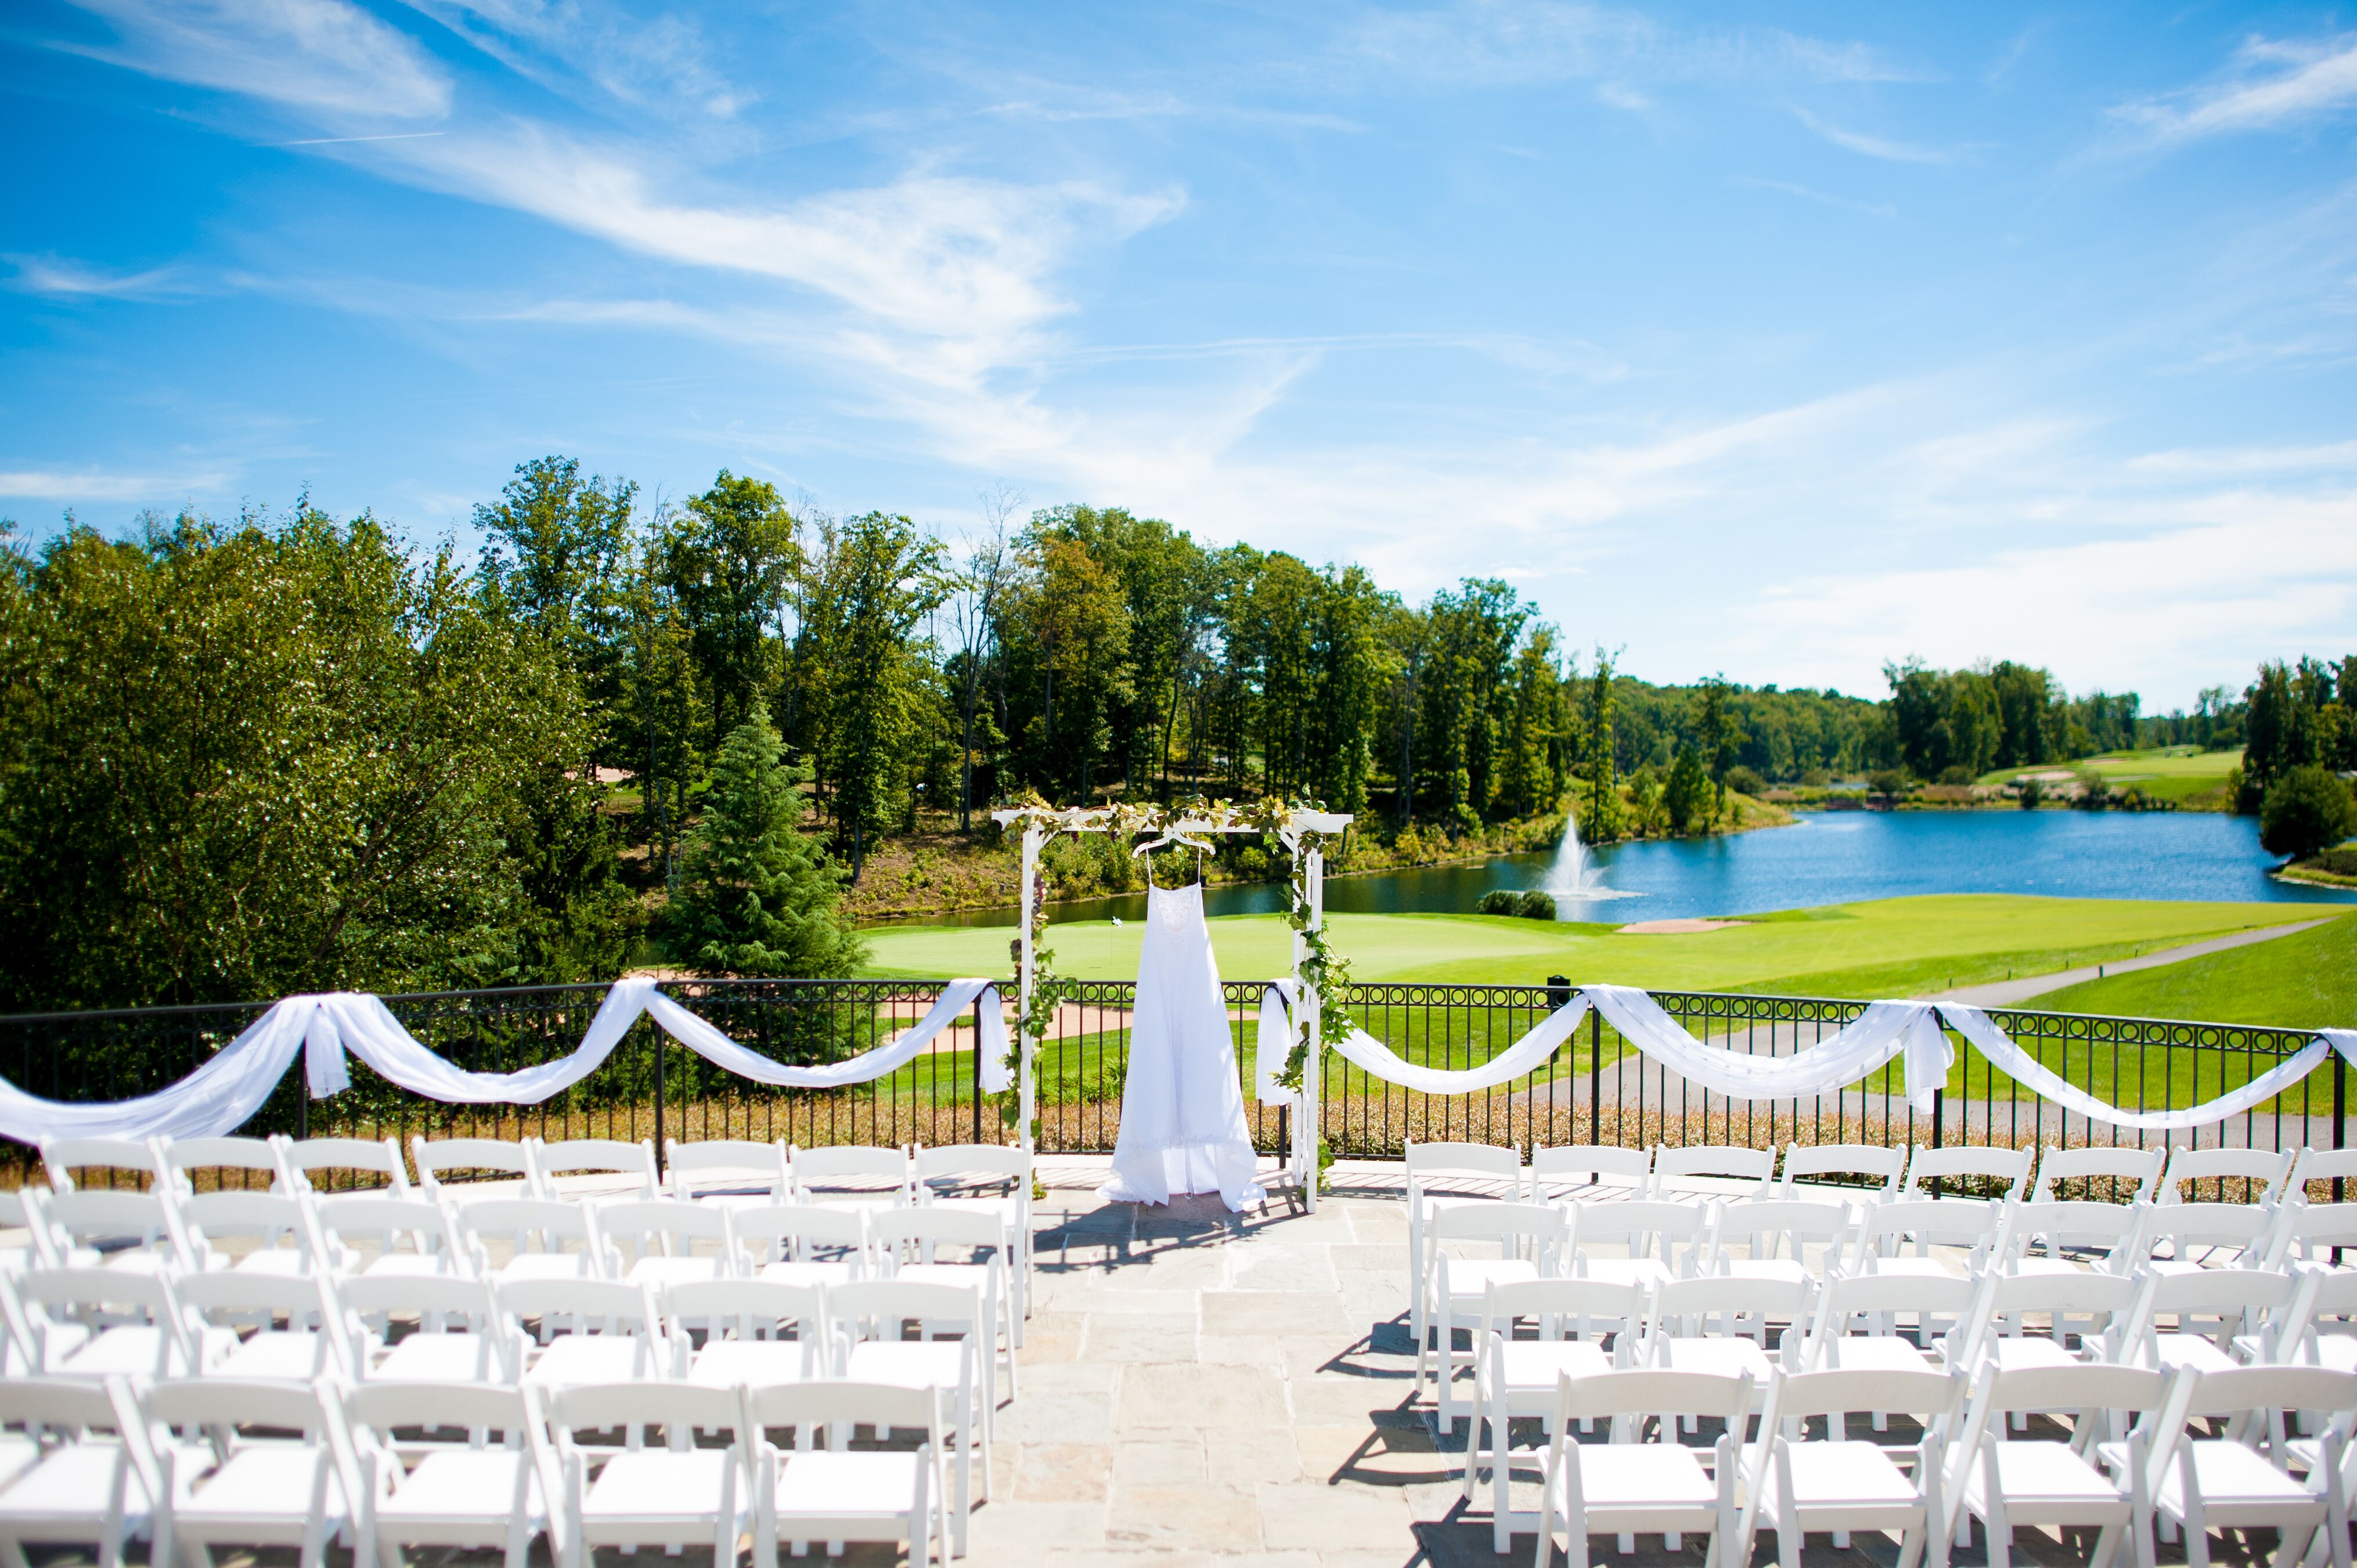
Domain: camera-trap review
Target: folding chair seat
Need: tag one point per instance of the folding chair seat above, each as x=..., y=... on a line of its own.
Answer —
x=1516, y=1376
x=1627, y=1488
x=2095, y=1310
x=75, y=1467
x=179, y=1158
x=314, y=1343
x=2226, y=1482
x=1838, y=1484
x=2005, y=1481
x=276, y=1227
x=1531, y=1240
x=2112, y=1175
x=460, y=1333
x=235, y=1479
x=1678, y=1173
x=94, y=1324
x=946, y=1178
x=1442, y=1177
x=801, y=1243
x=1660, y=1239
x=639, y=1492
x=727, y=1168
x=2116, y=1230
x=653, y=1241
x=513, y=1239
x=1677, y=1335
x=477, y=1481
x=2005, y=1169
x=102, y=1227
x=631, y=1168
x=1971, y=1224
x=850, y=1174
x=2210, y=1309
x=906, y=1241
x=299, y=1157
x=1807, y=1161
x=744, y=1323
x=2204, y=1236
x=591, y=1331
x=61, y=1157
x=381, y=1234
x=822, y=1489
x=2260, y=1174
x=1578, y=1171
x=1775, y=1233
x=871, y=1313
x=508, y=1158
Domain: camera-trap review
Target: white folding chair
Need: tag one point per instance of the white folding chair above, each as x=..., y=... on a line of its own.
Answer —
x=2210, y=1309
x=2311, y=1166
x=479, y=1482
x=726, y=1167
x=1578, y=1171
x=744, y=1324
x=1808, y=1161
x=2005, y=1481
x=1838, y=1484
x=381, y=1234
x=97, y=1226
x=849, y=1173
x=177, y=1157
x=2319, y=1328
x=823, y=1489
x=314, y=1343
x=21, y=1210
x=947, y=1178
x=2311, y=1232
x=639, y=1492
x=75, y=1467
x=611, y=1157
x=1513, y=1376
x=2177, y=1238
x=1862, y=1324
x=2088, y=1316
x=2261, y=1173
x=64, y=1156
x=1470, y=1173
x=1677, y=1328
x=591, y=1331
x=509, y=1158
x=1775, y=1234
x=1659, y=1239
x=95, y=1323
x=1974, y=1226
x=1928, y=1168
x=1626, y=1488
x=2116, y=1230
x=1531, y=1240
x=275, y=1229
x=801, y=1243
x=460, y=1335
x=2111, y=1174
x=2227, y=1482
x=1685, y=1172
x=907, y=1239
x=654, y=1242
x=870, y=1314
x=235, y=1478
x=298, y=1157
x=544, y=1238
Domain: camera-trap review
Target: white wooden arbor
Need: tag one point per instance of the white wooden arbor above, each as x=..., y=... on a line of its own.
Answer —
x=1291, y=825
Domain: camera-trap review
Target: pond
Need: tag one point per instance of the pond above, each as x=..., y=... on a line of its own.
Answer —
x=1829, y=857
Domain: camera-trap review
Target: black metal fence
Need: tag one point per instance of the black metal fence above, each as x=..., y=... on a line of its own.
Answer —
x=1598, y=1089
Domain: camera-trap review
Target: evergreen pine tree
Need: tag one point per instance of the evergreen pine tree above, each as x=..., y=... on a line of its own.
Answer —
x=756, y=895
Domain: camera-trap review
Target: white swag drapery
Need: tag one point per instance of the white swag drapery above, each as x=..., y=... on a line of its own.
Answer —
x=223, y=1093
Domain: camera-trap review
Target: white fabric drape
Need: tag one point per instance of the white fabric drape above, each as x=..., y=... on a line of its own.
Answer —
x=1279, y=1029
x=1886, y=1029
x=222, y=1094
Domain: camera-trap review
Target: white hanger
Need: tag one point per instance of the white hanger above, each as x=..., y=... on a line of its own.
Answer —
x=1173, y=836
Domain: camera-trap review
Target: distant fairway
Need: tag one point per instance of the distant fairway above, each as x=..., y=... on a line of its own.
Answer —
x=2307, y=980
x=2165, y=773
x=1892, y=947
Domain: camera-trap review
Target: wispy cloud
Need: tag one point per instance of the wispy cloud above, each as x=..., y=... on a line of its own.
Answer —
x=661, y=64
x=1871, y=209
x=317, y=55
x=1538, y=41
x=69, y=279
x=2338, y=455
x=1873, y=146
x=32, y=483
x=2272, y=85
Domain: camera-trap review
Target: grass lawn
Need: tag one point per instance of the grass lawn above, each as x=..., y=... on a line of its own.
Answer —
x=2167, y=773
x=2308, y=980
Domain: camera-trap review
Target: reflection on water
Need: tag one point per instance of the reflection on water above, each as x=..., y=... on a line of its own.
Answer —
x=1833, y=858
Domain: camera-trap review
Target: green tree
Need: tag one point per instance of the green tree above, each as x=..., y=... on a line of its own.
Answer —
x=1719, y=738
x=757, y=896
x=729, y=558
x=1603, y=825
x=1688, y=799
x=2307, y=810
x=559, y=552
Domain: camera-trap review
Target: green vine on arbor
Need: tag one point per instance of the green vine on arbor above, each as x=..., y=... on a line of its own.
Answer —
x=1324, y=973
x=1048, y=991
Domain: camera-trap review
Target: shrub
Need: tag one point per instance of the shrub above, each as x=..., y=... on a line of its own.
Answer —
x=1957, y=774
x=1889, y=783
x=1536, y=905
x=2032, y=791
x=1816, y=778
x=2304, y=811
x=1746, y=782
x=1500, y=901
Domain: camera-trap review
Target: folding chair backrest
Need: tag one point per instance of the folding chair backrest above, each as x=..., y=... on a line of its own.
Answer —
x=442, y=1303
x=1719, y=1161
x=795, y=1231
x=2076, y=1304
x=2008, y=1168
x=2079, y=1223
x=682, y=1410
x=1647, y=1391
x=2083, y=1386
x=1886, y=1164
x=994, y=1163
x=269, y=1220
x=378, y=1156
x=1495, y=1171
x=1507, y=1224
x=1648, y=1227
x=601, y=1156
x=2231, y=1391
x=437, y=1156
x=664, y=1228
x=534, y=1225
x=1939, y=1303
x=885, y=1305
x=21, y=1210
x=2306, y=1231
x=2253, y=1176
x=208, y=1405
x=305, y=1301
x=1683, y=1305
x=1579, y=1307
x=1773, y=1227
x=2110, y=1174
x=2242, y=1228
x=2215, y=1303
x=64, y=1404
x=477, y=1410
x=64, y=1156
x=412, y=1225
x=578, y=1306
x=2312, y=1165
x=745, y=1309
x=97, y=1216
x=1933, y=1396
x=729, y=1165
x=100, y=1298
x=847, y=1163
x=909, y=1232
x=1947, y=1222
x=812, y=1408
x=180, y=1156
x=1585, y=1165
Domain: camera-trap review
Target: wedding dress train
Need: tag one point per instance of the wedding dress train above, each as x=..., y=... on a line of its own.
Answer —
x=1182, y=1105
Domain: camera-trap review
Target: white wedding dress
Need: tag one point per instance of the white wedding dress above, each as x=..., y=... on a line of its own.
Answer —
x=1182, y=1105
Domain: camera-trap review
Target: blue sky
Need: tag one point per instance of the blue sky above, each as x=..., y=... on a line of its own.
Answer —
x=1777, y=345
